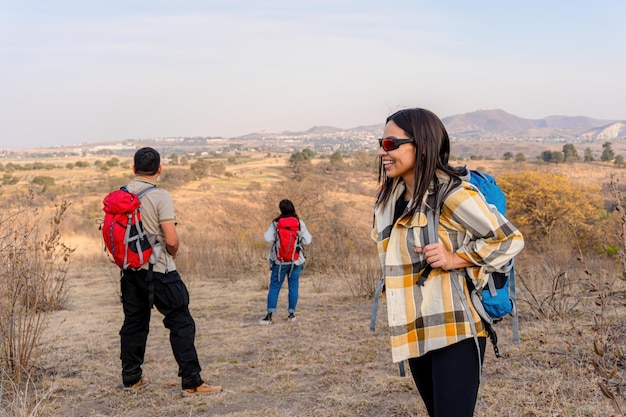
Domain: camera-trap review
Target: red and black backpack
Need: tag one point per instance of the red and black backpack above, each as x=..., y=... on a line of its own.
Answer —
x=287, y=239
x=123, y=233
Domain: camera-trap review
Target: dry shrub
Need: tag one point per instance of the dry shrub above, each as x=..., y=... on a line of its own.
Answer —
x=21, y=400
x=565, y=275
x=607, y=290
x=232, y=254
x=32, y=283
x=173, y=177
x=548, y=205
x=549, y=283
x=362, y=280
x=221, y=236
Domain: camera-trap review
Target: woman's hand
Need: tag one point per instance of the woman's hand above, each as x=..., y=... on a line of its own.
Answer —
x=438, y=257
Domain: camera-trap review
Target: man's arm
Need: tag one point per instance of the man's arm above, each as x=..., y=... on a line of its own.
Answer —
x=171, y=238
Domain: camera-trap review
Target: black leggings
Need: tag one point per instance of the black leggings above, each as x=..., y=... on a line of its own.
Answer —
x=448, y=378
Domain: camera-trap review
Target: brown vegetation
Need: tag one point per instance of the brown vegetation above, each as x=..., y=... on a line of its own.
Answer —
x=570, y=362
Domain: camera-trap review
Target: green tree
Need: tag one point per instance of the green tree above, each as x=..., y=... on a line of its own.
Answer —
x=588, y=155
x=44, y=181
x=557, y=157
x=174, y=159
x=607, y=152
x=297, y=158
x=336, y=158
x=551, y=156
x=113, y=162
x=520, y=157
x=507, y=156
x=619, y=161
x=546, y=156
x=570, y=152
x=200, y=168
x=308, y=154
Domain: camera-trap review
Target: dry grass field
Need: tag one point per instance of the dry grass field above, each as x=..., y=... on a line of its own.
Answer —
x=328, y=362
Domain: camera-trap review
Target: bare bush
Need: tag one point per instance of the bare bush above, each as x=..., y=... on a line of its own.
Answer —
x=551, y=285
x=32, y=282
x=20, y=400
x=362, y=275
x=620, y=235
x=221, y=240
x=610, y=331
x=229, y=256
x=566, y=280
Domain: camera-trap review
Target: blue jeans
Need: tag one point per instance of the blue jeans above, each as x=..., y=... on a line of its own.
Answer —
x=292, y=272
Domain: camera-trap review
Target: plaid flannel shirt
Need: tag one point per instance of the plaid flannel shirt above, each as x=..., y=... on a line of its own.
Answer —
x=429, y=317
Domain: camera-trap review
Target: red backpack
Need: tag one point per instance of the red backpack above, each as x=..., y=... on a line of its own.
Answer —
x=287, y=229
x=122, y=230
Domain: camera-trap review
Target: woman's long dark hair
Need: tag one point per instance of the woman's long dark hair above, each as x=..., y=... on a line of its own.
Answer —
x=286, y=210
x=432, y=152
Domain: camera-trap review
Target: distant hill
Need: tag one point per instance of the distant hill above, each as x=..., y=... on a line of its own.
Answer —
x=502, y=125
x=481, y=132
x=489, y=124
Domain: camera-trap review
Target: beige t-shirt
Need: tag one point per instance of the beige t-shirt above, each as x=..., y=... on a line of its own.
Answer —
x=157, y=207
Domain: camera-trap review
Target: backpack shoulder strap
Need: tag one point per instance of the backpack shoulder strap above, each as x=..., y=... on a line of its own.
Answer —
x=430, y=234
x=145, y=190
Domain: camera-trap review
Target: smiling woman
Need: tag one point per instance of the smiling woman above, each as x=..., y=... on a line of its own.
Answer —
x=441, y=336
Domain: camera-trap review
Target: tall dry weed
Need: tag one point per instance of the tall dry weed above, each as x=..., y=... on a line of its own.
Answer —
x=610, y=330
x=32, y=282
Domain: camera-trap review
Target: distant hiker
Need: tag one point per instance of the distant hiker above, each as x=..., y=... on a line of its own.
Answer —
x=430, y=325
x=287, y=233
x=160, y=285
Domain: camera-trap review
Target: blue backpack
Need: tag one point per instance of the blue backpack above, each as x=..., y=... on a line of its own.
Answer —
x=497, y=298
x=489, y=188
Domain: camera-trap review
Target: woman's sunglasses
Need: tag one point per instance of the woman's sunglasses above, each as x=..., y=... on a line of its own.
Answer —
x=391, y=143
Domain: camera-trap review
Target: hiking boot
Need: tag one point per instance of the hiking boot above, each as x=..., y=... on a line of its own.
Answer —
x=142, y=383
x=202, y=389
x=291, y=318
x=267, y=319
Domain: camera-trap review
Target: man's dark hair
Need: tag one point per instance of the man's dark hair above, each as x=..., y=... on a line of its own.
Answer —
x=147, y=161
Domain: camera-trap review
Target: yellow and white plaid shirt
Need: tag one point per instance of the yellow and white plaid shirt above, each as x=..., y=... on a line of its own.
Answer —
x=429, y=317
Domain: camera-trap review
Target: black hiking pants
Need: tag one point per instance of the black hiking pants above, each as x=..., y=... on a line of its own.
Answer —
x=171, y=298
x=448, y=378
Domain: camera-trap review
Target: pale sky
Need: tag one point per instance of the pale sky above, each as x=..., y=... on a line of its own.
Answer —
x=86, y=71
